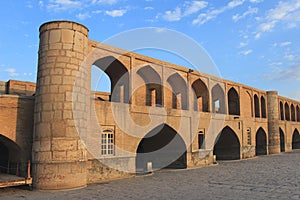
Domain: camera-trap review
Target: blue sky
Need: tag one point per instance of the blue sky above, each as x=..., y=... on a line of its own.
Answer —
x=254, y=42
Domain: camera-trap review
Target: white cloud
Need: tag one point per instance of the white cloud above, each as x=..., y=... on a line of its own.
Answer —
x=116, y=13
x=282, y=44
x=291, y=73
x=148, y=8
x=250, y=11
x=256, y=1
x=287, y=12
x=246, y=52
x=289, y=57
x=205, y=17
x=12, y=72
x=243, y=44
x=104, y=1
x=61, y=5
x=83, y=16
x=187, y=9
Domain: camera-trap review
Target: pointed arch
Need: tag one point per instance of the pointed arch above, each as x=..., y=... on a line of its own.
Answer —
x=179, y=92
x=281, y=110
x=261, y=142
x=218, y=99
x=201, y=97
x=287, y=111
x=282, y=140
x=119, y=78
x=296, y=140
x=227, y=145
x=263, y=107
x=256, y=106
x=233, y=102
x=162, y=146
x=293, y=113
x=153, y=86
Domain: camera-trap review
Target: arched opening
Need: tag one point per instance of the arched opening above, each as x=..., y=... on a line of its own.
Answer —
x=233, y=102
x=287, y=111
x=263, y=107
x=163, y=147
x=179, y=92
x=9, y=156
x=293, y=113
x=296, y=140
x=201, y=98
x=298, y=113
x=282, y=140
x=153, y=86
x=281, y=111
x=227, y=145
x=218, y=99
x=256, y=106
x=261, y=142
x=119, y=78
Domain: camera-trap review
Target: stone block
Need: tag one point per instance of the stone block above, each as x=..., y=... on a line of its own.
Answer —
x=62, y=144
x=67, y=36
x=55, y=36
x=59, y=155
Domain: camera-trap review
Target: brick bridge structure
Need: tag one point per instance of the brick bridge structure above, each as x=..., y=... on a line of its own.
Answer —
x=157, y=115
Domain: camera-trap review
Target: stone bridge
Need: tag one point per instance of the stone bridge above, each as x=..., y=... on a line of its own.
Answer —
x=157, y=115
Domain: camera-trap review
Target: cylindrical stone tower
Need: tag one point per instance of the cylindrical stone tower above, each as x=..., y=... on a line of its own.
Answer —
x=59, y=159
x=273, y=119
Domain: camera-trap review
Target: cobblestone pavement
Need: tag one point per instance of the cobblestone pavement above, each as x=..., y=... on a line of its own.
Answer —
x=265, y=177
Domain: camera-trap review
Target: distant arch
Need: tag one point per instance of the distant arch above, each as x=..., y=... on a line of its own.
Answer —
x=119, y=78
x=233, y=102
x=227, y=145
x=201, y=98
x=261, y=142
x=282, y=140
x=163, y=147
x=281, y=110
x=218, y=100
x=248, y=101
x=256, y=106
x=179, y=92
x=153, y=86
x=263, y=107
x=296, y=140
x=298, y=113
x=293, y=113
x=287, y=111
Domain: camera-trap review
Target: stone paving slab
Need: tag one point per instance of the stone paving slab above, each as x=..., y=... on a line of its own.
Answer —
x=265, y=177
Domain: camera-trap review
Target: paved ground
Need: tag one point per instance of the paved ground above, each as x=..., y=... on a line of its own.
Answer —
x=266, y=177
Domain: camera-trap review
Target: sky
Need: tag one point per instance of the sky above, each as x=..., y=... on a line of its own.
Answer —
x=253, y=42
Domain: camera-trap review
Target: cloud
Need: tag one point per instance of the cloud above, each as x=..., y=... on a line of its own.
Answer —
x=246, y=52
x=282, y=44
x=205, y=17
x=187, y=9
x=116, y=13
x=289, y=57
x=11, y=72
x=250, y=11
x=83, y=16
x=287, y=12
x=256, y=1
x=62, y=5
x=243, y=44
x=148, y=8
x=104, y=1
x=291, y=73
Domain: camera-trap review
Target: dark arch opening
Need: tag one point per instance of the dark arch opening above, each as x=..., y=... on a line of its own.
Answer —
x=119, y=78
x=296, y=140
x=281, y=111
x=256, y=106
x=282, y=140
x=153, y=84
x=218, y=99
x=233, y=102
x=287, y=111
x=263, y=107
x=227, y=145
x=201, y=98
x=293, y=113
x=9, y=156
x=298, y=113
x=162, y=146
x=261, y=142
x=179, y=92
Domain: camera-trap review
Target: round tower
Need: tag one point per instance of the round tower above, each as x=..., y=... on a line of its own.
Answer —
x=273, y=120
x=59, y=159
